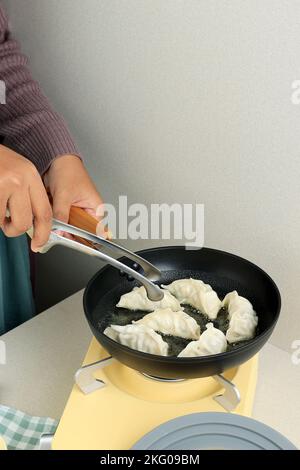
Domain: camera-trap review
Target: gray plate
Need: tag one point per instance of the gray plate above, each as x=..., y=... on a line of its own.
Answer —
x=214, y=431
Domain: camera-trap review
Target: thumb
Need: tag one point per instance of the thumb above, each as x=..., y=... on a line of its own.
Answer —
x=61, y=207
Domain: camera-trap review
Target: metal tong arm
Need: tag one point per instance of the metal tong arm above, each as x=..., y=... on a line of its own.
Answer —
x=151, y=272
x=154, y=293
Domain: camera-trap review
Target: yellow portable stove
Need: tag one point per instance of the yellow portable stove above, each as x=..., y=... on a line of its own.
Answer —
x=107, y=392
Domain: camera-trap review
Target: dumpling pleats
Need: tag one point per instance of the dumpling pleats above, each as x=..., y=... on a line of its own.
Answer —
x=212, y=341
x=137, y=300
x=197, y=294
x=242, y=318
x=171, y=323
x=138, y=337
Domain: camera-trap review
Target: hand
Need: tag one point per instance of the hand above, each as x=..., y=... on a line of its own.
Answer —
x=70, y=185
x=23, y=193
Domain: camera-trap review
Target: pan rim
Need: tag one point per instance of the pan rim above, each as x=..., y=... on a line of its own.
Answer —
x=188, y=360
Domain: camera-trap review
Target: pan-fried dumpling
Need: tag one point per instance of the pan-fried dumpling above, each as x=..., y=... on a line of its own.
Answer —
x=197, y=294
x=171, y=323
x=235, y=302
x=138, y=337
x=243, y=319
x=242, y=326
x=212, y=341
x=137, y=300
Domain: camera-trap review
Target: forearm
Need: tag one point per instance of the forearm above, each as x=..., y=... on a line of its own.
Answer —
x=28, y=124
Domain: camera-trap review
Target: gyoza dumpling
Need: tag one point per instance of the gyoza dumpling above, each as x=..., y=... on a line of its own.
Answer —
x=194, y=292
x=137, y=300
x=233, y=302
x=138, y=337
x=243, y=319
x=212, y=341
x=171, y=323
x=242, y=326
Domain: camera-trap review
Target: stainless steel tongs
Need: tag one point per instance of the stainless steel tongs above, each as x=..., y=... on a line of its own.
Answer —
x=151, y=273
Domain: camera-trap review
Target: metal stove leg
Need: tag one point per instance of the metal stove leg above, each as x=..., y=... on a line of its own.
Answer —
x=46, y=441
x=231, y=397
x=85, y=379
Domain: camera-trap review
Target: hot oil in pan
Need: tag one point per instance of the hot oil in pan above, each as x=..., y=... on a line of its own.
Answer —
x=108, y=314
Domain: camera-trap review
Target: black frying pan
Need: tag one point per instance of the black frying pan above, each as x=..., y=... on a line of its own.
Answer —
x=223, y=271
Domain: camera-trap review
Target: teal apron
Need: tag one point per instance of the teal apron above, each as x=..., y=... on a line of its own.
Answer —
x=16, y=301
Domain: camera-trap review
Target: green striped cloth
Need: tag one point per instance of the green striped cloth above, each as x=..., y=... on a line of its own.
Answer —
x=21, y=431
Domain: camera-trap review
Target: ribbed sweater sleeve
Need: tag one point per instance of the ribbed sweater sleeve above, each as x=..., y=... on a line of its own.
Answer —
x=28, y=124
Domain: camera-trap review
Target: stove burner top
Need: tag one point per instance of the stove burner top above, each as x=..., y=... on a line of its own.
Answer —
x=107, y=390
x=161, y=379
x=132, y=382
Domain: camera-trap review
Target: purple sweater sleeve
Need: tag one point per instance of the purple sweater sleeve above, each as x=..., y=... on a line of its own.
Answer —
x=28, y=124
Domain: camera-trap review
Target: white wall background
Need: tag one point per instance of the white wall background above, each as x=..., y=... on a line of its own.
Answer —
x=183, y=100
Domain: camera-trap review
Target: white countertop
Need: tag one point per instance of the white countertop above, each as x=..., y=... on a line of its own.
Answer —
x=44, y=353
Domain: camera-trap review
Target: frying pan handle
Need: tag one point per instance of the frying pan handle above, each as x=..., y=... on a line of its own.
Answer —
x=81, y=219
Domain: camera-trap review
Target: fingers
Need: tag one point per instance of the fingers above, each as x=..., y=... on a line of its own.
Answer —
x=61, y=211
x=22, y=191
x=61, y=207
x=28, y=207
x=42, y=214
x=20, y=219
x=96, y=206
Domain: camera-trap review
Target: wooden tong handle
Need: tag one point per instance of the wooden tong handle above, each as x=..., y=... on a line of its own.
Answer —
x=81, y=219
